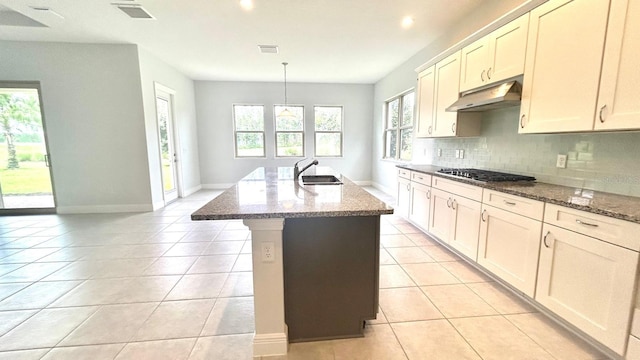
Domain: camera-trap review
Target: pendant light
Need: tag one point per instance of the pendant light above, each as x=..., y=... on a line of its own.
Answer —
x=285, y=113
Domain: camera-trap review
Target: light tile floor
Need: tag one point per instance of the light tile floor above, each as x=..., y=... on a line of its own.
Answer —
x=159, y=286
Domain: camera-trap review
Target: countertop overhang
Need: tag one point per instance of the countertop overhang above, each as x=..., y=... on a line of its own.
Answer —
x=597, y=202
x=272, y=192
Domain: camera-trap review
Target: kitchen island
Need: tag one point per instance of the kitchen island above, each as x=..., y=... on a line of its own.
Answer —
x=315, y=254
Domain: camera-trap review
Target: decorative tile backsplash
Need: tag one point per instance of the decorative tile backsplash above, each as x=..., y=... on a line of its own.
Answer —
x=600, y=161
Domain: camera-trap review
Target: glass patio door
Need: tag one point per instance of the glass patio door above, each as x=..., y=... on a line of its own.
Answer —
x=25, y=173
x=167, y=145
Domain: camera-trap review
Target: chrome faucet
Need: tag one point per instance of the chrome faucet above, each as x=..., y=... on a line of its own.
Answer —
x=297, y=172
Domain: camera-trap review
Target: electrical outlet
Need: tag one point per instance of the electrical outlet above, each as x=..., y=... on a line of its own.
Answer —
x=457, y=154
x=461, y=154
x=561, y=161
x=268, y=252
x=439, y=152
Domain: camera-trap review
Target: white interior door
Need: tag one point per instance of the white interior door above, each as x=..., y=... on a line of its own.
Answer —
x=166, y=137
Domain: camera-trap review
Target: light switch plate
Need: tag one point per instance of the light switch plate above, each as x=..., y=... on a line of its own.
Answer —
x=461, y=154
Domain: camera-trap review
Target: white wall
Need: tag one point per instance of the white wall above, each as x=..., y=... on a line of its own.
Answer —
x=214, y=101
x=93, y=110
x=404, y=77
x=153, y=70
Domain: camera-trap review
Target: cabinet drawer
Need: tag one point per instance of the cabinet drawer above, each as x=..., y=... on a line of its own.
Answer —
x=421, y=178
x=519, y=205
x=404, y=173
x=458, y=188
x=615, y=231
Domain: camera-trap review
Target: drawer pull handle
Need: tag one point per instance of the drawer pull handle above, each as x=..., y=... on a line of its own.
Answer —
x=453, y=128
x=453, y=204
x=522, y=121
x=489, y=74
x=408, y=187
x=586, y=223
x=482, y=75
x=420, y=177
x=509, y=203
x=449, y=203
x=544, y=240
x=429, y=129
x=482, y=215
x=429, y=194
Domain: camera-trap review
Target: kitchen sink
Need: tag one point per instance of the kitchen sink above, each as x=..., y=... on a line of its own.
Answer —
x=320, y=180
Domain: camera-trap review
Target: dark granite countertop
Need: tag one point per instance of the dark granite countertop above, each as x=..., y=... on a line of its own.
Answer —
x=597, y=202
x=272, y=193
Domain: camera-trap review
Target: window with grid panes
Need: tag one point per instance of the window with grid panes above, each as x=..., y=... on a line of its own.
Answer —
x=398, y=133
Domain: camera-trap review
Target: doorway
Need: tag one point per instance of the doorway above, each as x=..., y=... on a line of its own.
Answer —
x=25, y=165
x=167, y=141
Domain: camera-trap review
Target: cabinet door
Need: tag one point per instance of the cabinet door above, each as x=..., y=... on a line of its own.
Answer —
x=507, y=49
x=589, y=283
x=619, y=98
x=426, y=85
x=562, y=68
x=474, y=63
x=420, y=203
x=440, y=214
x=446, y=93
x=465, y=226
x=403, y=197
x=509, y=246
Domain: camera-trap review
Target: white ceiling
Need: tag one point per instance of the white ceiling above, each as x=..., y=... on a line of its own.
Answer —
x=333, y=41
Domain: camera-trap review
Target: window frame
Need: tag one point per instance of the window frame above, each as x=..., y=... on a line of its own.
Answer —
x=400, y=127
x=316, y=132
x=276, y=132
x=236, y=132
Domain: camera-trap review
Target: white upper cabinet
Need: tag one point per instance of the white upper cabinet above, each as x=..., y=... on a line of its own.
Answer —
x=562, y=67
x=497, y=56
x=426, y=97
x=445, y=123
x=619, y=100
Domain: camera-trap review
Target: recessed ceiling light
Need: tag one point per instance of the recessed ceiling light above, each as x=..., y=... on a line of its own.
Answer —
x=133, y=10
x=407, y=21
x=246, y=4
x=46, y=9
x=268, y=49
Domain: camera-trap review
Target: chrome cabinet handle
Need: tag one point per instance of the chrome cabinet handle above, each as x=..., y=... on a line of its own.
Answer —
x=600, y=113
x=429, y=129
x=428, y=194
x=489, y=74
x=482, y=76
x=453, y=128
x=453, y=204
x=482, y=215
x=586, y=223
x=449, y=203
x=509, y=202
x=522, y=121
x=544, y=240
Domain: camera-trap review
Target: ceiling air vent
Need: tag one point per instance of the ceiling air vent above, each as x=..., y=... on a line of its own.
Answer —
x=134, y=11
x=268, y=49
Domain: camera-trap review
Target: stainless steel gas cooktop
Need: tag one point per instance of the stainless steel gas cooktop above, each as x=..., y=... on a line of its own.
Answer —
x=484, y=175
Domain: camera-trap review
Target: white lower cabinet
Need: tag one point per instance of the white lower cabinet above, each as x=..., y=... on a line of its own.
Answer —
x=420, y=203
x=455, y=220
x=588, y=282
x=403, y=197
x=509, y=246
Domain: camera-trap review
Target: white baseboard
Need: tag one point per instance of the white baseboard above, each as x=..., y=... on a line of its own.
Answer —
x=192, y=190
x=363, y=182
x=269, y=344
x=158, y=205
x=103, y=209
x=382, y=188
x=217, y=186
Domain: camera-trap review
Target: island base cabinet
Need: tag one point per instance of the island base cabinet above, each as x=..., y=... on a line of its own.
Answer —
x=509, y=246
x=330, y=276
x=589, y=283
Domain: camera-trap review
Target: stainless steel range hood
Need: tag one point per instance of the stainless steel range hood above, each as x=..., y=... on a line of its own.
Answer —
x=499, y=96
